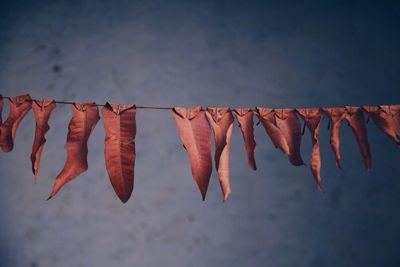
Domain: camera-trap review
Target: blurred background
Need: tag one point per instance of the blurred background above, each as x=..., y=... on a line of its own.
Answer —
x=212, y=53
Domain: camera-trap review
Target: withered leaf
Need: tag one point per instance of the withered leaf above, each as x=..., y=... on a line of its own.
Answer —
x=268, y=120
x=284, y=129
x=290, y=127
x=336, y=116
x=394, y=111
x=84, y=118
x=19, y=107
x=221, y=120
x=42, y=110
x=119, y=123
x=195, y=134
x=312, y=118
x=355, y=118
x=244, y=117
x=384, y=120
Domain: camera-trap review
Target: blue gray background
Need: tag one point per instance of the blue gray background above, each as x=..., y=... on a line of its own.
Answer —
x=213, y=53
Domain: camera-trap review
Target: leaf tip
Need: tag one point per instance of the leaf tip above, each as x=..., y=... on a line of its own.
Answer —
x=124, y=199
x=320, y=187
x=225, y=198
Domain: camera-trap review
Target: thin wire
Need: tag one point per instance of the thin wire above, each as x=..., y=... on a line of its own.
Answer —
x=95, y=104
x=153, y=107
x=138, y=107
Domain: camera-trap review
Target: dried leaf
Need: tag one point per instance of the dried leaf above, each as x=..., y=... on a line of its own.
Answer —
x=42, y=110
x=268, y=120
x=384, y=120
x=394, y=111
x=221, y=120
x=84, y=118
x=119, y=123
x=355, y=118
x=195, y=134
x=336, y=116
x=312, y=118
x=19, y=107
x=290, y=127
x=244, y=116
x=284, y=129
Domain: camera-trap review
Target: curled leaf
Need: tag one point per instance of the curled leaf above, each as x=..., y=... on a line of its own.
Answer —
x=84, y=118
x=221, y=121
x=195, y=134
x=284, y=129
x=336, y=116
x=312, y=118
x=355, y=118
x=119, y=123
x=268, y=120
x=290, y=127
x=394, y=111
x=19, y=107
x=42, y=110
x=384, y=120
x=244, y=117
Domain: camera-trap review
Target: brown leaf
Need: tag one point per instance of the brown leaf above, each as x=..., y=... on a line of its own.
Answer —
x=355, y=118
x=19, y=107
x=119, y=123
x=284, y=129
x=195, y=134
x=312, y=118
x=290, y=127
x=394, y=111
x=384, y=120
x=221, y=120
x=268, y=120
x=244, y=116
x=336, y=116
x=84, y=118
x=42, y=110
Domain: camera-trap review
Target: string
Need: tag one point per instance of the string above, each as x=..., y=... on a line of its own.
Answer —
x=95, y=104
x=138, y=107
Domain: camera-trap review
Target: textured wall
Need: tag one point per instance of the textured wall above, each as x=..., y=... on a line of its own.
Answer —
x=209, y=53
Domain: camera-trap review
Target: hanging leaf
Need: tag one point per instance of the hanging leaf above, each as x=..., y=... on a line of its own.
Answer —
x=84, y=118
x=394, y=111
x=42, y=110
x=290, y=127
x=119, y=123
x=384, y=120
x=355, y=118
x=195, y=134
x=221, y=120
x=268, y=120
x=244, y=116
x=312, y=117
x=336, y=116
x=19, y=107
